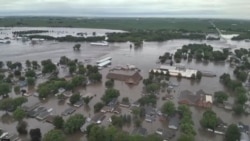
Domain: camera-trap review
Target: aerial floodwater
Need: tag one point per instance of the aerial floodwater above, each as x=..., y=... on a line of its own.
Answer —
x=145, y=58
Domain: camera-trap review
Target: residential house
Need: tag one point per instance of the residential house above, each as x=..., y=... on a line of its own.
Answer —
x=111, y=106
x=85, y=125
x=98, y=118
x=168, y=134
x=79, y=103
x=124, y=104
x=150, y=113
x=29, y=106
x=244, y=137
x=243, y=128
x=135, y=104
x=140, y=131
x=106, y=109
x=68, y=111
x=228, y=105
x=200, y=99
x=50, y=119
x=220, y=129
x=34, y=113
x=174, y=121
x=128, y=76
x=43, y=115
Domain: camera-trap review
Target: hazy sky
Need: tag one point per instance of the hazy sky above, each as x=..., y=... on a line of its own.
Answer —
x=117, y=8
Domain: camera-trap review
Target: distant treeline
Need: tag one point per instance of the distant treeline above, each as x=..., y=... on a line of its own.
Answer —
x=153, y=35
x=135, y=36
x=29, y=32
x=242, y=36
x=69, y=38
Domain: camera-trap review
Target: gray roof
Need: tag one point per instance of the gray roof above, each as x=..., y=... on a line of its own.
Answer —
x=168, y=134
x=174, y=120
x=188, y=95
x=140, y=131
x=244, y=137
x=98, y=116
x=123, y=72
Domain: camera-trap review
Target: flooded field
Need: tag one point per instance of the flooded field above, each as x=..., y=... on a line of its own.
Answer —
x=144, y=58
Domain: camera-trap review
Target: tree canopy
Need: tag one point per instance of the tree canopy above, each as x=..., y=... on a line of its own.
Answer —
x=109, y=95
x=209, y=119
x=54, y=135
x=19, y=114
x=220, y=96
x=168, y=108
x=74, y=123
x=58, y=122
x=232, y=133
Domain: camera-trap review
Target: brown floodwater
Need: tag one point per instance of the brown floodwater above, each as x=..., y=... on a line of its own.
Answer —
x=144, y=58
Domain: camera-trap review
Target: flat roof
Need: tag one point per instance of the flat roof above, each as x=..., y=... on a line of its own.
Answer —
x=104, y=63
x=123, y=72
x=104, y=59
x=209, y=98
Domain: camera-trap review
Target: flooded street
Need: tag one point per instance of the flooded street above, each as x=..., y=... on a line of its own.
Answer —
x=144, y=58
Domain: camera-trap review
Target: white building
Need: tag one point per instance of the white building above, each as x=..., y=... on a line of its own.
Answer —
x=176, y=70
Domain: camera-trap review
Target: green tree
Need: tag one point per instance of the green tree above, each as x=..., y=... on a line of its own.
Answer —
x=242, y=98
x=72, y=69
x=22, y=127
x=17, y=89
x=117, y=121
x=220, y=96
x=6, y=104
x=187, y=128
x=78, y=80
x=153, y=88
x=81, y=69
x=31, y=81
x=186, y=137
x=77, y=47
x=19, y=101
x=232, y=133
x=9, y=64
x=74, y=123
x=98, y=106
x=95, y=77
x=87, y=100
x=209, y=119
x=58, y=122
x=54, y=135
x=30, y=73
x=238, y=109
x=109, y=83
x=148, y=99
x=74, y=98
x=1, y=64
x=19, y=114
x=28, y=63
x=35, y=65
x=109, y=95
x=48, y=66
x=199, y=75
x=5, y=88
x=168, y=108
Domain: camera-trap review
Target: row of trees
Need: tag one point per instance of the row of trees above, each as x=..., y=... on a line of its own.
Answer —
x=211, y=121
x=239, y=91
x=97, y=133
x=152, y=35
x=20, y=33
x=200, y=52
x=69, y=38
x=186, y=124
